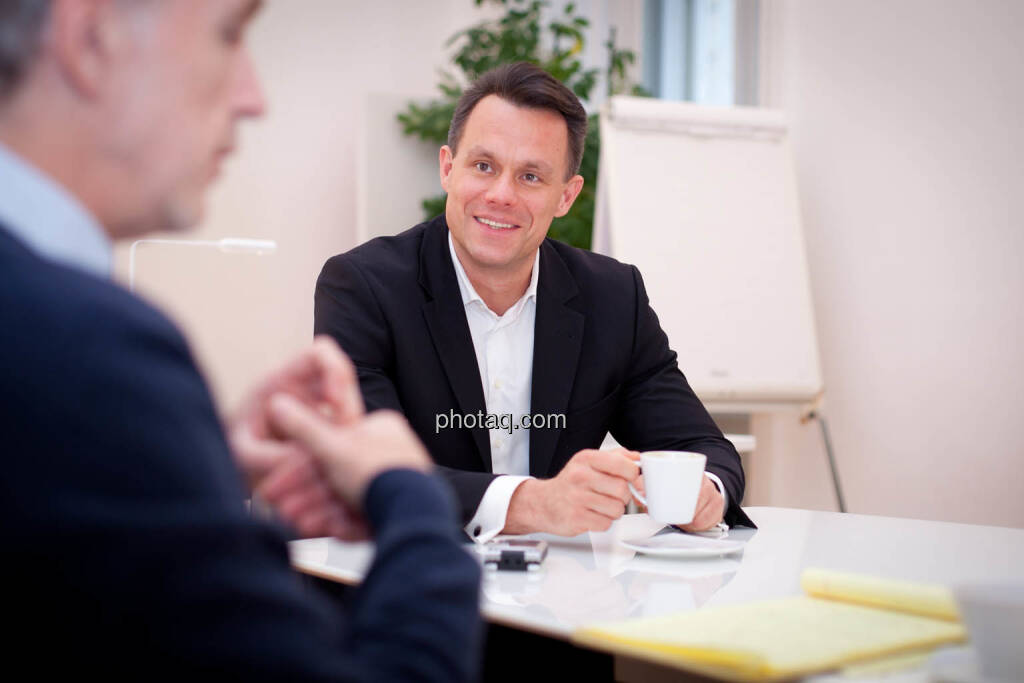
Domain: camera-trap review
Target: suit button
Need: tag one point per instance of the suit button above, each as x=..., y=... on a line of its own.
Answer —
x=477, y=530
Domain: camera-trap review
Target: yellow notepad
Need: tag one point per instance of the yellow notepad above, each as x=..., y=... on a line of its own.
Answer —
x=844, y=619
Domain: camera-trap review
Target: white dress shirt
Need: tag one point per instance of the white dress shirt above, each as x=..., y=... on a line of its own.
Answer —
x=504, y=355
x=48, y=219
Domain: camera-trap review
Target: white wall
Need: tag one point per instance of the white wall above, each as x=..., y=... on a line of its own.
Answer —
x=909, y=143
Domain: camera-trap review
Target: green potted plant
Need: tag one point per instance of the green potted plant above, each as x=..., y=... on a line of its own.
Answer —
x=519, y=35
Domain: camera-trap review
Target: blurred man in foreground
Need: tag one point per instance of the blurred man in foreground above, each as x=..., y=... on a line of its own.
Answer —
x=126, y=547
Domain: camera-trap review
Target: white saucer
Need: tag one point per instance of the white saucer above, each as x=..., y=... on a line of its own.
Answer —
x=684, y=545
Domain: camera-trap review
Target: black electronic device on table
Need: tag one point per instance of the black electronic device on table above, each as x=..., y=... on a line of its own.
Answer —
x=516, y=554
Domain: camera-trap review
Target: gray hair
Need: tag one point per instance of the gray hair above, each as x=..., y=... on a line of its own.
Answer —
x=21, y=28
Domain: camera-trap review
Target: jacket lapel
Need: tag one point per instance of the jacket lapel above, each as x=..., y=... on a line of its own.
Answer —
x=446, y=320
x=557, y=337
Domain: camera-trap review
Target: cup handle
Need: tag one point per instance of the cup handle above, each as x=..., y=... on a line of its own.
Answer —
x=636, y=494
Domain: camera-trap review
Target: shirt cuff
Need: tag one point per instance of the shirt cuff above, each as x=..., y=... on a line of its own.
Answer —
x=490, y=515
x=721, y=489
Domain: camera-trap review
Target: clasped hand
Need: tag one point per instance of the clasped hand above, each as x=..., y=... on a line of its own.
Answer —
x=306, y=447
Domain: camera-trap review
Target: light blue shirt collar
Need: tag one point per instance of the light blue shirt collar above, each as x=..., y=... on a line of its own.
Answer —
x=48, y=219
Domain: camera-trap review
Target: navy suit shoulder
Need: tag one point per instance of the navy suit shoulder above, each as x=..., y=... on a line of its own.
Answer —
x=605, y=289
x=84, y=354
x=125, y=530
x=591, y=269
x=391, y=256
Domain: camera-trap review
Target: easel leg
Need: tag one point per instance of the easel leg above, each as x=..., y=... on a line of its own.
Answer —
x=815, y=415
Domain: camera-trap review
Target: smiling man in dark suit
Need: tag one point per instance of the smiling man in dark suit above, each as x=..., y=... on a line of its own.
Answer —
x=477, y=315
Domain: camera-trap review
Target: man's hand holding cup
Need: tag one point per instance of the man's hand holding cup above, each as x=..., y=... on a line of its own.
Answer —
x=675, y=490
x=590, y=493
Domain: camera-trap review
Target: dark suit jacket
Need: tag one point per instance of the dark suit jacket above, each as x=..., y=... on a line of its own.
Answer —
x=126, y=550
x=599, y=357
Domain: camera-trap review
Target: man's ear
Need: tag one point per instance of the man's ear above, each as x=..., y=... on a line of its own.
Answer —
x=446, y=158
x=569, y=194
x=84, y=37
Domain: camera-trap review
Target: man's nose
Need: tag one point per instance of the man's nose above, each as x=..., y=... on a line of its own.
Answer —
x=502, y=190
x=249, y=100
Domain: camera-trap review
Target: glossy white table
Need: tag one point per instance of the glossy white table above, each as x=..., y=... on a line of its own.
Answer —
x=592, y=577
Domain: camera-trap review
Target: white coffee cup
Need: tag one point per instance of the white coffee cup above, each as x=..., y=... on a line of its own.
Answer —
x=672, y=482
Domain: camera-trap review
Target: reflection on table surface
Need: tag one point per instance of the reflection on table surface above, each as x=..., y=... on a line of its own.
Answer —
x=592, y=577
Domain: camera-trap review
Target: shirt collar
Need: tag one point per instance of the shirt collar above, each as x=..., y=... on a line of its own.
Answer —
x=469, y=293
x=48, y=219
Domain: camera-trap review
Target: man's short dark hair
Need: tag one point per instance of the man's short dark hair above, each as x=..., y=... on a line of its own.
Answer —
x=21, y=28
x=525, y=85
